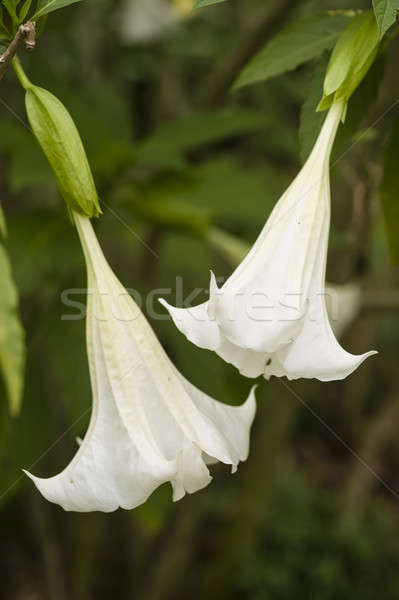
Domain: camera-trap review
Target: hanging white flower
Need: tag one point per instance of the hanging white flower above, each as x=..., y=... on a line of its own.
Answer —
x=270, y=316
x=149, y=425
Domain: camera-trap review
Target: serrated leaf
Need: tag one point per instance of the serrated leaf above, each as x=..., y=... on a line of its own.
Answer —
x=47, y=6
x=389, y=193
x=299, y=42
x=202, y=3
x=385, y=13
x=12, y=338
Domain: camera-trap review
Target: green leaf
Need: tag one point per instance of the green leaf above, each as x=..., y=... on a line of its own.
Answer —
x=389, y=193
x=48, y=6
x=167, y=145
x=60, y=141
x=219, y=189
x=12, y=338
x=312, y=121
x=385, y=12
x=24, y=10
x=3, y=226
x=4, y=33
x=172, y=214
x=11, y=9
x=202, y=3
x=232, y=248
x=299, y=42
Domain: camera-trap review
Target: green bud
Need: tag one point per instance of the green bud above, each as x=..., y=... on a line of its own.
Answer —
x=353, y=55
x=61, y=143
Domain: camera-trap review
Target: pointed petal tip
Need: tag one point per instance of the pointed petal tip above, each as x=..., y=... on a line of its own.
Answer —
x=40, y=484
x=338, y=374
x=32, y=477
x=176, y=313
x=366, y=355
x=164, y=303
x=214, y=289
x=196, y=324
x=213, y=281
x=358, y=360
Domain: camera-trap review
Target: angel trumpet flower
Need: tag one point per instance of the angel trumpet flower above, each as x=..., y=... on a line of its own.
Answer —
x=270, y=317
x=149, y=425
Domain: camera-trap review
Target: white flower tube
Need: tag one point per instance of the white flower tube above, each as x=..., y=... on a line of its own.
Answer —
x=270, y=317
x=149, y=425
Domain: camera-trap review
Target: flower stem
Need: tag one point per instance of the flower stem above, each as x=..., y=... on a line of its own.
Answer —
x=22, y=76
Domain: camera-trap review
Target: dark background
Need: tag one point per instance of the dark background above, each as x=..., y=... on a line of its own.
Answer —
x=178, y=159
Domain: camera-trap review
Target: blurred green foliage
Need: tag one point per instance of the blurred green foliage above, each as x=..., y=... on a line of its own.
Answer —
x=185, y=187
x=301, y=555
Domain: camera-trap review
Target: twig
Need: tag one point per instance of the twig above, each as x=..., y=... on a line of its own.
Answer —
x=263, y=28
x=26, y=33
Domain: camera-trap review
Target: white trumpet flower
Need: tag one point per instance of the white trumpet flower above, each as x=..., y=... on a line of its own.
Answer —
x=149, y=425
x=270, y=316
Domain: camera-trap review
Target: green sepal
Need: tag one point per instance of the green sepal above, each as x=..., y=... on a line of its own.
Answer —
x=326, y=102
x=61, y=143
x=353, y=55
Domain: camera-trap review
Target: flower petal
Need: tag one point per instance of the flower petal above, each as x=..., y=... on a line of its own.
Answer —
x=315, y=353
x=234, y=422
x=196, y=324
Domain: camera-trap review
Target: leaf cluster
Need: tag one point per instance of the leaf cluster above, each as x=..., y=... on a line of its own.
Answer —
x=15, y=12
